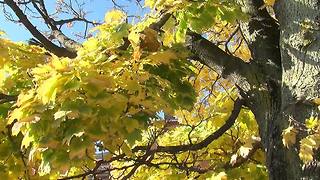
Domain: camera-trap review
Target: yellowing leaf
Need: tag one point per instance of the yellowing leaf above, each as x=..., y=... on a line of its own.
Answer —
x=306, y=153
x=289, y=136
x=233, y=159
x=16, y=114
x=48, y=89
x=312, y=122
x=150, y=40
x=149, y=3
x=220, y=176
x=244, y=151
x=134, y=38
x=316, y=101
x=162, y=57
x=126, y=149
x=91, y=44
x=23, y=98
x=131, y=125
x=60, y=114
x=269, y=2
x=308, y=145
x=33, y=118
x=114, y=17
x=16, y=128
x=60, y=64
x=26, y=141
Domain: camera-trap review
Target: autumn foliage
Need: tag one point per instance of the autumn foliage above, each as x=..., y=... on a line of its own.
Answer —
x=147, y=105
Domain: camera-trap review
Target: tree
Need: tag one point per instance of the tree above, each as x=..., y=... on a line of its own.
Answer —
x=198, y=89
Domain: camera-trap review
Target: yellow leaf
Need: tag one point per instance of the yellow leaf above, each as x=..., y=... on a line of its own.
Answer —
x=126, y=149
x=220, y=176
x=269, y=2
x=24, y=98
x=48, y=89
x=91, y=44
x=33, y=118
x=137, y=53
x=233, y=159
x=115, y=17
x=312, y=122
x=317, y=101
x=16, y=128
x=150, y=40
x=134, y=38
x=306, y=153
x=16, y=114
x=60, y=114
x=149, y=3
x=131, y=124
x=162, y=57
x=60, y=64
x=26, y=141
x=289, y=136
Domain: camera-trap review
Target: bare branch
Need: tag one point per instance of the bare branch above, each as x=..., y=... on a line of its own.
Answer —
x=59, y=51
x=65, y=21
x=70, y=44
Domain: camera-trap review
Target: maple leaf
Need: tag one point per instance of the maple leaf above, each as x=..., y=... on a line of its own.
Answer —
x=289, y=136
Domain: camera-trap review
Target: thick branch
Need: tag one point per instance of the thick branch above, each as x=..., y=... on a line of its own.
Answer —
x=70, y=44
x=226, y=65
x=7, y=98
x=59, y=51
x=262, y=35
x=19, y=2
x=158, y=25
x=65, y=21
x=193, y=147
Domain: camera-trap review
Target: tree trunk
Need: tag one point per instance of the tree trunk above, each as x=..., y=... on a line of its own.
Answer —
x=300, y=82
x=281, y=81
x=288, y=56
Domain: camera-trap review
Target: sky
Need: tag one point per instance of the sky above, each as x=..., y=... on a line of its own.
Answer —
x=96, y=9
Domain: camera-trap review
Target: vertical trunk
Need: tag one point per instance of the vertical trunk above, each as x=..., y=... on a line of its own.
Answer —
x=300, y=57
x=291, y=80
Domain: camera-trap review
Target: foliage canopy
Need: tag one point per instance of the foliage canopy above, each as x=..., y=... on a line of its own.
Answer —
x=135, y=94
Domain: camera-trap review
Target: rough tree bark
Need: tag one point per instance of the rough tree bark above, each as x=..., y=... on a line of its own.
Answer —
x=283, y=78
x=288, y=56
x=300, y=56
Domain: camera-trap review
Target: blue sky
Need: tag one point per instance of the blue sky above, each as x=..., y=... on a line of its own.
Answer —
x=96, y=9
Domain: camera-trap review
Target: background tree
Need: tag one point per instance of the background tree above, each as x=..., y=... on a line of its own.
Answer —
x=194, y=89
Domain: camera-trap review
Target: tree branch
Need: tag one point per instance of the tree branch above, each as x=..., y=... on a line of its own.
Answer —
x=169, y=149
x=59, y=51
x=226, y=65
x=70, y=44
x=193, y=147
x=262, y=33
x=240, y=160
x=7, y=98
x=158, y=25
x=65, y=21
